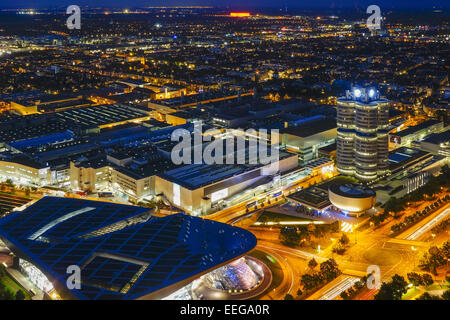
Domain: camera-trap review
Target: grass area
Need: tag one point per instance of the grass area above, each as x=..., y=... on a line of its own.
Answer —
x=415, y=292
x=278, y=217
x=411, y=293
x=380, y=256
x=437, y=286
x=13, y=286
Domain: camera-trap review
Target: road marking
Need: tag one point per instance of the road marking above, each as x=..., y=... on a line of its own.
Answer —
x=430, y=224
x=342, y=286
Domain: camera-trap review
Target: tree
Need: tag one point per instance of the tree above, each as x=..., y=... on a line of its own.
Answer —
x=344, y=295
x=435, y=257
x=329, y=269
x=393, y=205
x=359, y=285
x=344, y=239
x=415, y=279
x=309, y=281
x=427, y=280
x=399, y=285
x=312, y=264
x=299, y=292
x=290, y=236
x=427, y=296
x=334, y=227
x=7, y=294
x=446, y=295
x=385, y=293
x=20, y=295
x=288, y=297
x=393, y=290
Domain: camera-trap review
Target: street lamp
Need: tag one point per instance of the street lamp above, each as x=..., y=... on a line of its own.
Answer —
x=413, y=249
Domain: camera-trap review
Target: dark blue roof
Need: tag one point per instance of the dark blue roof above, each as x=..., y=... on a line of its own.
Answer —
x=123, y=251
x=43, y=140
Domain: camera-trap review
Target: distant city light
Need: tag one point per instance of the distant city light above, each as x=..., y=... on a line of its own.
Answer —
x=371, y=93
x=357, y=93
x=239, y=14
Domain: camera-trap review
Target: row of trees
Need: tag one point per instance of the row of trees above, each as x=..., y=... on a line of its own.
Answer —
x=441, y=227
x=353, y=291
x=329, y=270
x=427, y=296
x=341, y=245
x=394, y=206
x=416, y=217
x=398, y=286
x=420, y=280
x=8, y=294
x=393, y=290
x=435, y=258
x=297, y=236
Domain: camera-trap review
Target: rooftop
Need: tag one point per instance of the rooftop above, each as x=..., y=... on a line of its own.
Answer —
x=124, y=252
x=438, y=138
x=403, y=156
x=311, y=127
x=414, y=129
x=194, y=176
x=352, y=190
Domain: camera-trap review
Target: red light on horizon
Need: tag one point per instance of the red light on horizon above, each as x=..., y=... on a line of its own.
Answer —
x=239, y=14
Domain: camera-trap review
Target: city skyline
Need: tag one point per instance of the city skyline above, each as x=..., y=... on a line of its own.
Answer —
x=253, y=4
x=281, y=151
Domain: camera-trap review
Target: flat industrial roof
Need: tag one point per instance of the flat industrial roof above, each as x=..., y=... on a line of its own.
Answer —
x=94, y=116
x=414, y=129
x=438, y=138
x=194, y=176
x=311, y=127
x=312, y=197
x=316, y=197
x=124, y=252
x=404, y=155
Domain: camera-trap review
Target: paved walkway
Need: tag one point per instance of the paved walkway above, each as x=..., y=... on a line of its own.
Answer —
x=25, y=283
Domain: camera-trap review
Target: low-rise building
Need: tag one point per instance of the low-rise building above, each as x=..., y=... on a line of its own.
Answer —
x=436, y=143
x=420, y=131
x=307, y=138
x=25, y=171
x=198, y=188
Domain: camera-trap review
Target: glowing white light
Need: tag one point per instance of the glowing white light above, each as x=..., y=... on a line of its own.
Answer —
x=176, y=195
x=218, y=195
x=357, y=93
x=371, y=93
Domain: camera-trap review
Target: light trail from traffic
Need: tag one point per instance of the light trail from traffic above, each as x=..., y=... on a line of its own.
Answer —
x=342, y=286
x=419, y=232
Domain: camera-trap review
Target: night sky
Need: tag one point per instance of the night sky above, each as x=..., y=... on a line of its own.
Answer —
x=229, y=3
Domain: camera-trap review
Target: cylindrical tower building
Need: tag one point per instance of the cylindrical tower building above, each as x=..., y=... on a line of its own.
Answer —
x=346, y=137
x=362, y=139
